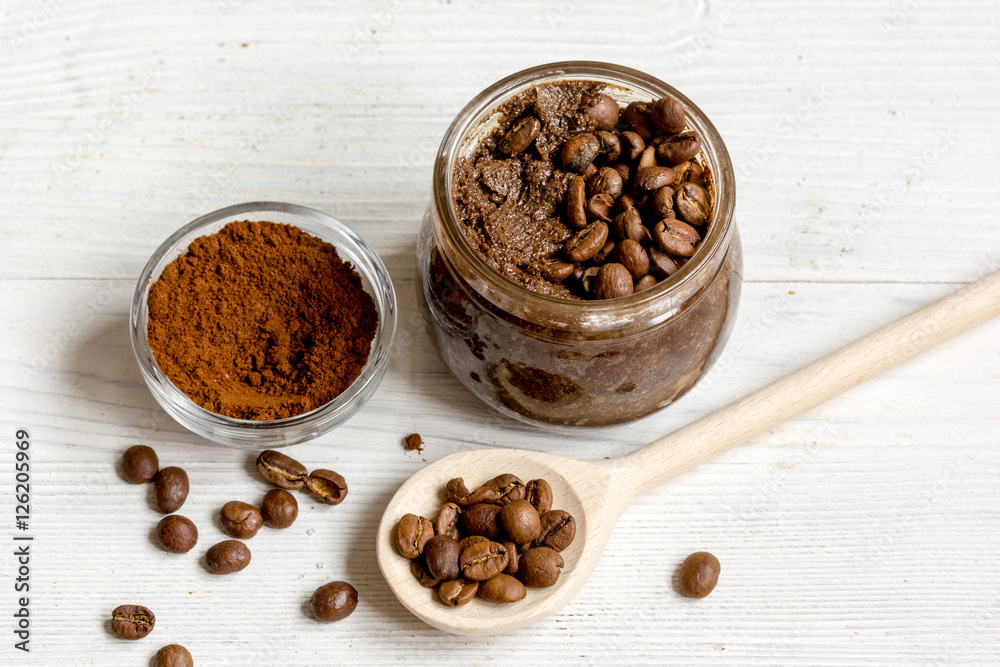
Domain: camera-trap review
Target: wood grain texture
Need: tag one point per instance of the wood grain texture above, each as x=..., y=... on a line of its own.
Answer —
x=865, y=142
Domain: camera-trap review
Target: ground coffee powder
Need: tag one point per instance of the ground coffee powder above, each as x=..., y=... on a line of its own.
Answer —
x=260, y=321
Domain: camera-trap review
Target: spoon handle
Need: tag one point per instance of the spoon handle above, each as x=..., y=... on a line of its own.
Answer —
x=806, y=388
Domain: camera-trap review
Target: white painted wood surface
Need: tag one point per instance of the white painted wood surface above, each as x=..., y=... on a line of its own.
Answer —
x=865, y=137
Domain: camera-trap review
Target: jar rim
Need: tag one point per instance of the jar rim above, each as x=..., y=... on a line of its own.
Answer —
x=530, y=305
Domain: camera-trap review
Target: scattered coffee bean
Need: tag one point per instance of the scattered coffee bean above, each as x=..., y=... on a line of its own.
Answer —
x=538, y=492
x=613, y=281
x=520, y=136
x=636, y=115
x=668, y=116
x=628, y=225
x=227, y=557
x=698, y=574
x=279, y=508
x=646, y=160
x=171, y=486
x=481, y=519
x=576, y=201
x=327, y=485
x=412, y=535
x=606, y=252
x=679, y=148
x=520, y=522
x=604, y=112
x=176, y=534
x=585, y=243
x=633, y=257
x=654, y=178
x=240, y=520
x=607, y=181
x=502, y=588
x=131, y=621
x=675, y=237
x=662, y=202
x=458, y=592
x=540, y=567
x=558, y=530
x=173, y=655
x=139, y=464
x=441, y=557
x=611, y=145
x=692, y=204
x=447, y=521
x=632, y=145
x=334, y=601
x=579, y=152
x=281, y=470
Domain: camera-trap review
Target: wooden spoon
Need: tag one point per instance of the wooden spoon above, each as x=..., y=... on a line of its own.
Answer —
x=597, y=493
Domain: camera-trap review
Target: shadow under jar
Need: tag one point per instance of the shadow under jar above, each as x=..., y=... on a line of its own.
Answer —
x=548, y=360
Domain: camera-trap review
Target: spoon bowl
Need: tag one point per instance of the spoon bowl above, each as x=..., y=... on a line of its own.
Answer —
x=597, y=493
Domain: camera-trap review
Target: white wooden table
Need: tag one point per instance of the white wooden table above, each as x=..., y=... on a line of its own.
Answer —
x=865, y=137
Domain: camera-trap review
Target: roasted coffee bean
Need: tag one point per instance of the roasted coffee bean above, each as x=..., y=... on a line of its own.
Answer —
x=590, y=171
x=661, y=263
x=689, y=171
x=412, y=535
x=240, y=520
x=519, y=521
x=628, y=225
x=502, y=588
x=607, y=182
x=675, y=237
x=171, y=486
x=458, y=592
x=556, y=270
x=679, y=148
x=623, y=170
x=447, y=520
x=636, y=114
x=632, y=145
x=176, y=534
x=647, y=159
x=173, y=655
x=558, y=530
x=698, y=574
x=520, y=136
x=281, y=470
x=506, y=488
x=599, y=207
x=662, y=202
x=624, y=203
x=585, y=243
x=441, y=557
x=611, y=145
x=279, y=508
x=419, y=570
x=139, y=464
x=604, y=254
x=645, y=283
x=538, y=492
x=576, y=202
x=667, y=116
x=227, y=557
x=540, y=567
x=481, y=519
x=512, y=555
x=604, y=112
x=632, y=256
x=579, y=152
x=587, y=279
x=692, y=204
x=612, y=281
x=327, y=485
x=467, y=542
x=334, y=601
x=483, y=560
x=654, y=178
x=131, y=621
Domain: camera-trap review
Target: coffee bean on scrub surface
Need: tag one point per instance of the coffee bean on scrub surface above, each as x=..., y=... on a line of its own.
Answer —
x=130, y=621
x=667, y=116
x=613, y=281
x=692, y=204
x=679, y=148
x=171, y=489
x=604, y=112
x=579, y=152
x=521, y=135
x=139, y=464
x=587, y=242
x=281, y=470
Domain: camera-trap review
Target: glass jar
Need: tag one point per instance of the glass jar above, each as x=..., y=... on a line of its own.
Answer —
x=546, y=360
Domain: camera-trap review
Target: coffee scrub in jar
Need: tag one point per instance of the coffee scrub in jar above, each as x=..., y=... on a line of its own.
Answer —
x=579, y=261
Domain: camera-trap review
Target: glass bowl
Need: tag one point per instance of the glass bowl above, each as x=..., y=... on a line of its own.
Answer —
x=250, y=433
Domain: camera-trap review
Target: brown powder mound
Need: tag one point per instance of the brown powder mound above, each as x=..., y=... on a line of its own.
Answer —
x=260, y=321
